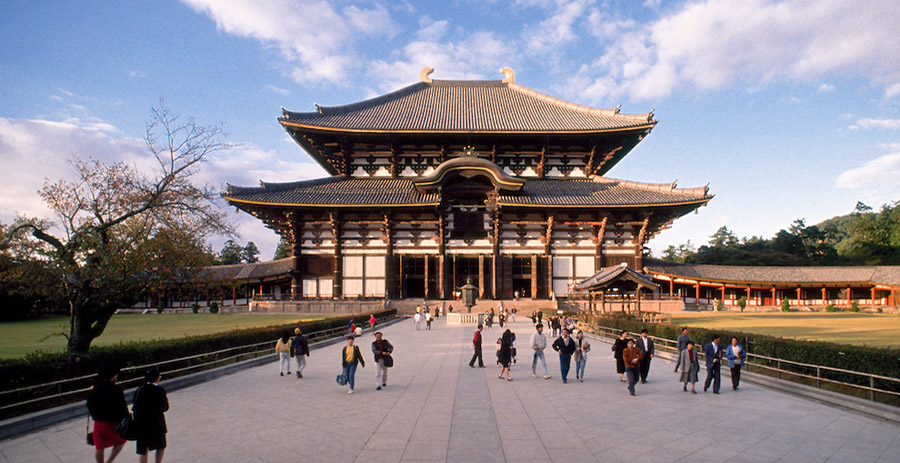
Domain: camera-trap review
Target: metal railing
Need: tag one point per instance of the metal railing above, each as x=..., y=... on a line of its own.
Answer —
x=819, y=375
x=73, y=389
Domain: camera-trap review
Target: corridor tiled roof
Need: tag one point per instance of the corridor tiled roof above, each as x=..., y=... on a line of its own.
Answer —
x=883, y=275
x=466, y=106
x=371, y=191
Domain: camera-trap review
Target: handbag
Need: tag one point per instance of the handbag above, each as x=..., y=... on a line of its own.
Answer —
x=126, y=429
x=388, y=361
x=341, y=379
x=90, y=434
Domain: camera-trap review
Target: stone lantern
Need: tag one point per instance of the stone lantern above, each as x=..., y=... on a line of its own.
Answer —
x=469, y=294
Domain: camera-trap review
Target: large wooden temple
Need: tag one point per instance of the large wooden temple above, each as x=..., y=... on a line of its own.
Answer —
x=444, y=181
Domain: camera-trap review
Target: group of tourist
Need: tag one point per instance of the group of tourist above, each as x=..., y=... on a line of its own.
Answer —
x=351, y=357
x=633, y=358
x=504, y=316
x=688, y=361
x=426, y=314
x=296, y=347
x=107, y=407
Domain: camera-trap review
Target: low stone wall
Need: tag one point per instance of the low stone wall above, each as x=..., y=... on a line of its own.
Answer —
x=325, y=306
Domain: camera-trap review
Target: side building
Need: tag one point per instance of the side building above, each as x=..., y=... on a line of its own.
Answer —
x=442, y=182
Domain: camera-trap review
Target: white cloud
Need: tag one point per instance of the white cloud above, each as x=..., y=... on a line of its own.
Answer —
x=711, y=43
x=312, y=36
x=874, y=175
x=431, y=30
x=277, y=90
x=869, y=123
x=895, y=146
x=892, y=91
x=826, y=88
x=557, y=29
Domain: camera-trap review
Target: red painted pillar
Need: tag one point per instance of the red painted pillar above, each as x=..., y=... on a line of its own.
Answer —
x=824, y=302
x=798, y=297
x=873, y=295
x=698, y=292
x=849, y=294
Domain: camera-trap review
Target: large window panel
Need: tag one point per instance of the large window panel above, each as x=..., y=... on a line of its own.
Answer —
x=352, y=288
x=353, y=266
x=562, y=266
x=374, y=267
x=374, y=288
x=584, y=266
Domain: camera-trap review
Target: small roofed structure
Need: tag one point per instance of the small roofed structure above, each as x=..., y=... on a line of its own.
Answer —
x=620, y=284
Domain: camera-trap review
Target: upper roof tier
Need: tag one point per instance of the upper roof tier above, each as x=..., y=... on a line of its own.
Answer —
x=480, y=106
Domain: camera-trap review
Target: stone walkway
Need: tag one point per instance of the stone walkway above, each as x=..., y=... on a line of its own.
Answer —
x=436, y=408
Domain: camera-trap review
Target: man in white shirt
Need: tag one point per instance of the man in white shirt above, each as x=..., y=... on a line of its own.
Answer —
x=418, y=319
x=538, y=344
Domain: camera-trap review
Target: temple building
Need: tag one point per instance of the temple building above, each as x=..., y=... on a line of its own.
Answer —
x=445, y=181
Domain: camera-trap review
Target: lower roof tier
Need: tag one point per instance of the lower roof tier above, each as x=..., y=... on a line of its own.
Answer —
x=343, y=192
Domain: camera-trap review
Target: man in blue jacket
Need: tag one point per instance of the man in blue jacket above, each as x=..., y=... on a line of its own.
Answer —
x=566, y=347
x=714, y=353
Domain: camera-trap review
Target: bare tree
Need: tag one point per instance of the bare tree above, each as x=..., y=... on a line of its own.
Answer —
x=101, y=243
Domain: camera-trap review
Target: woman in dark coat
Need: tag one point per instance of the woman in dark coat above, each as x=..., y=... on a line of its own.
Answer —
x=505, y=353
x=106, y=404
x=150, y=405
x=618, y=347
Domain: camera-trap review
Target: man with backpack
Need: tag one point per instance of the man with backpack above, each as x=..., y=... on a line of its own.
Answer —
x=299, y=350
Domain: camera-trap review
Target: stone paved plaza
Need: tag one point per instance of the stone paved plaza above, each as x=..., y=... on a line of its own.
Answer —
x=436, y=408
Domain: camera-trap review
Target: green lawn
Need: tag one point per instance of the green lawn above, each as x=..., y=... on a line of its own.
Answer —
x=20, y=338
x=877, y=330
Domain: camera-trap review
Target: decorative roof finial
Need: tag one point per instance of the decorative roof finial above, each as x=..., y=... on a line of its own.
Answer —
x=510, y=75
x=424, y=73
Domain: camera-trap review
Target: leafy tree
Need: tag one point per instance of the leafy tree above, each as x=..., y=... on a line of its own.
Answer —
x=27, y=281
x=97, y=244
x=250, y=253
x=231, y=254
x=283, y=250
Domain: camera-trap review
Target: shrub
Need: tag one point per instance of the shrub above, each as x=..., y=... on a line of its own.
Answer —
x=785, y=305
x=830, y=308
x=160, y=306
x=213, y=307
x=720, y=305
x=195, y=307
x=742, y=303
x=854, y=307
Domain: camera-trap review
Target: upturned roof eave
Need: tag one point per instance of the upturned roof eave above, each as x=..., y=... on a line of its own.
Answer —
x=324, y=129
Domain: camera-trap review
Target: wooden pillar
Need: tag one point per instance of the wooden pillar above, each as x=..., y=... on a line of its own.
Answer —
x=598, y=244
x=550, y=276
x=481, y=276
x=723, y=295
x=893, y=298
x=798, y=296
x=442, y=251
x=873, y=296
x=402, y=279
x=391, y=289
x=774, y=301
x=534, y=276
x=849, y=296
x=427, y=293
x=824, y=296
x=442, y=286
x=454, y=284
x=697, y=287
x=338, y=283
x=296, y=271
x=496, y=261
x=671, y=285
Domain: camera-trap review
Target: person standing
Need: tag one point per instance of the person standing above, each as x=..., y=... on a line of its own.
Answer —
x=512, y=314
x=428, y=318
x=372, y=322
x=418, y=319
x=554, y=325
x=382, y=350
x=283, y=349
x=681, y=345
x=735, y=355
x=581, y=350
x=645, y=344
x=690, y=366
x=350, y=357
x=565, y=346
x=618, y=347
x=300, y=349
x=150, y=406
x=632, y=358
x=107, y=407
x=538, y=344
x=504, y=355
x=714, y=355
x=476, y=344
x=540, y=317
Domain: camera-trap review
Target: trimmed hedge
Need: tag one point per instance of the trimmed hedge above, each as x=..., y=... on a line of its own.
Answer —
x=40, y=368
x=878, y=361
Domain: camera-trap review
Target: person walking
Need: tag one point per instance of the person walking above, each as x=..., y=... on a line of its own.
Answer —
x=504, y=355
x=690, y=366
x=565, y=346
x=372, y=322
x=418, y=319
x=581, y=350
x=538, y=344
x=681, y=345
x=106, y=406
x=476, y=344
x=150, y=406
x=617, y=348
x=283, y=350
x=382, y=350
x=735, y=355
x=350, y=357
x=512, y=313
x=554, y=326
x=300, y=350
x=645, y=344
x=428, y=318
x=714, y=356
x=632, y=358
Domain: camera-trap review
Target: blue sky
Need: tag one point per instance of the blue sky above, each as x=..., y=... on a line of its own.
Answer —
x=788, y=109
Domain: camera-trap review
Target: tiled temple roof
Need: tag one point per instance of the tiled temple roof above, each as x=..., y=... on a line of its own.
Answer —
x=466, y=106
x=880, y=275
x=374, y=191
